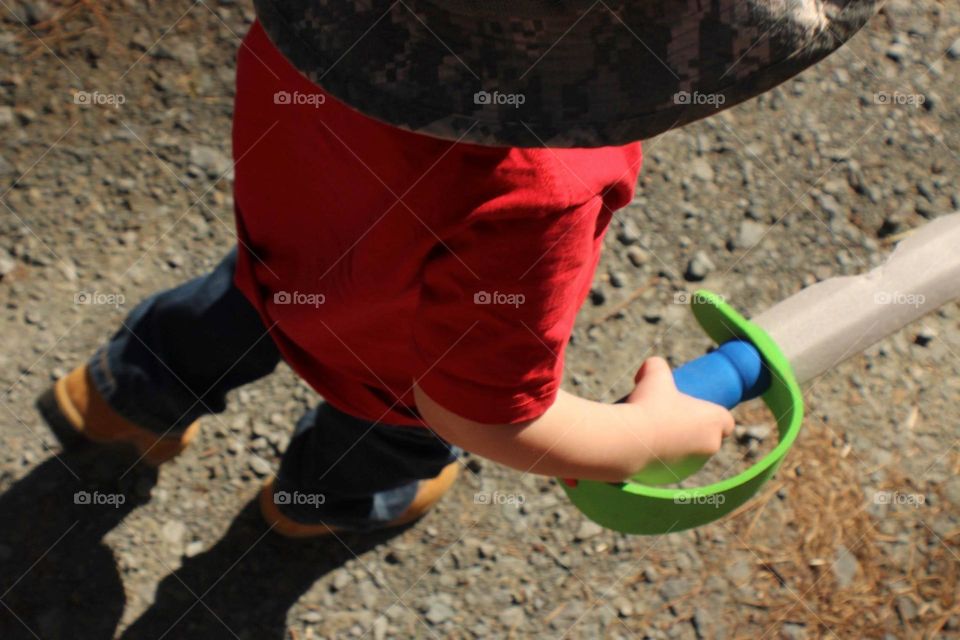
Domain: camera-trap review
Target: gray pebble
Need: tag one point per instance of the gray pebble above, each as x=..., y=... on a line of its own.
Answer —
x=6, y=169
x=7, y=264
x=260, y=466
x=637, y=256
x=898, y=51
x=954, y=50
x=173, y=532
x=701, y=170
x=193, y=549
x=675, y=587
x=311, y=617
x=438, y=612
x=750, y=234
x=951, y=491
x=182, y=51
x=845, y=566
x=513, y=617
x=618, y=279
x=699, y=267
x=212, y=161
x=925, y=336
x=906, y=608
x=629, y=232
x=623, y=606
x=340, y=580
x=758, y=432
x=588, y=529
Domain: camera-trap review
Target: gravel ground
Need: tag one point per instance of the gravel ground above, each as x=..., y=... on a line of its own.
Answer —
x=857, y=537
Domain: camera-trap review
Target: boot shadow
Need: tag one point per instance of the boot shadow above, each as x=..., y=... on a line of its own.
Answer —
x=57, y=577
x=245, y=584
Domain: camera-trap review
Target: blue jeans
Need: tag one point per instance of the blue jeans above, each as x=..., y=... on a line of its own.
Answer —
x=181, y=351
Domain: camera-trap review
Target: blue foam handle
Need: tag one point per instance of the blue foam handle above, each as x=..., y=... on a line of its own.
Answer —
x=731, y=374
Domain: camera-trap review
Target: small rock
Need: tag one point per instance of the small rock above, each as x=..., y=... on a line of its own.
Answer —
x=758, y=432
x=830, y=205
x=513, y=617
x=793, y=631
x=173, y=531
x=750, y=234
x=699, y=267
x=629, y=232
x=193, y=549
x=637, y=256
x=906, y=608
x=891, y=225
x=652, y=317
x=951, y=491
x=311, y=617
x=898, y=51
x=340, y=580
x=954, y=50
x=623, y=606
x=844, y=566
x=925, y=336
x=701, y=170
x=673, y=588
x=588, y=529
x=182, y=51
x=7, y=265
x=438, y=612
x=6, y=116
x=6, y=169
x=597, y=296
x=210, y=160
x=618, y=279
x=259, y=466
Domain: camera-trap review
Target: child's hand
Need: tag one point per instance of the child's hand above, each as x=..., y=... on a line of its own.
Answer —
x=682, y=425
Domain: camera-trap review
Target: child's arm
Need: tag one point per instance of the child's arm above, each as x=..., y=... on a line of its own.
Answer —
x=577, y=438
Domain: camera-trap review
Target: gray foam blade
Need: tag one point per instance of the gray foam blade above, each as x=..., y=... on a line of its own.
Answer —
x=826, y=323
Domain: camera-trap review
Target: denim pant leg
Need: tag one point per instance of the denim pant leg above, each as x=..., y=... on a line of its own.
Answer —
x=180, y=351
x=346, y=472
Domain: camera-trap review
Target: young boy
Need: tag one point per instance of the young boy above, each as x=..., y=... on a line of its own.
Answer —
x=425, y=285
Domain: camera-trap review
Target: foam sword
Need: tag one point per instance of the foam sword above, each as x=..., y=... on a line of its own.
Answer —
x=787, y=345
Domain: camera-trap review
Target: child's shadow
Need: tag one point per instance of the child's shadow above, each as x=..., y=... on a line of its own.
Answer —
x=57, y=578
x=244, y=585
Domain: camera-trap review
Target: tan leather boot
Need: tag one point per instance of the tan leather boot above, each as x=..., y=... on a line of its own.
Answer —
x=90, y=418
x=428, y=494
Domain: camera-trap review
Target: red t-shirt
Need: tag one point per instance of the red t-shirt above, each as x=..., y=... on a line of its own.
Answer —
x=380, y=257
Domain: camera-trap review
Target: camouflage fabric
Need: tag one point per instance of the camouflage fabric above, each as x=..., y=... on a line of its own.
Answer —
x=554, y=72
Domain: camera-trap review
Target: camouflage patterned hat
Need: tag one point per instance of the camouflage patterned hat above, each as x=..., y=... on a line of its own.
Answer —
x=561, y=73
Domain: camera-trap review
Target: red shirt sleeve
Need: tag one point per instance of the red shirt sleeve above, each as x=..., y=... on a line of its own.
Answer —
x=497, y=307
